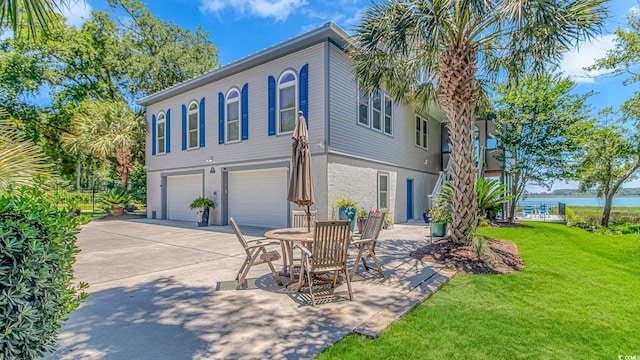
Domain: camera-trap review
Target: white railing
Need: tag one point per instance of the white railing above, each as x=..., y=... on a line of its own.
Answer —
x=442, y=179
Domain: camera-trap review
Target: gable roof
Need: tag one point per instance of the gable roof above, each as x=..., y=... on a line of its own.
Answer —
x=328, y=31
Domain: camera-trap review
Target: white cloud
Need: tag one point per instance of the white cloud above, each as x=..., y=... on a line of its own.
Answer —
x=276, y=9
x=76, y=13
x=574, y=62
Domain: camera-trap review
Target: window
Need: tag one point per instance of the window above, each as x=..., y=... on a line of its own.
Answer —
x=492, y=143
x=233, y=115
x=193, y=122
x=161, y=133
x=363, y=107
x=383, y=191
x=445, y=145
x=375, y=110
x=421, y=132
x=287, y=100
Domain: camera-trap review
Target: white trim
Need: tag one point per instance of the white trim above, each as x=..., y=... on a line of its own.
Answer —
x=424, y=131
x=386, y=192
x=197, y=129
x=238, y=101
x=295, y=99
x=370, y=111
x=164, y=137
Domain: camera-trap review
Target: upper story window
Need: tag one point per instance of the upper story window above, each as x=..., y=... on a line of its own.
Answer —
x=193, y=128
x=287, y=100
x=233, y=115
x=161, y=134
x=383, y=191
x=375, y=110
x=421, y=132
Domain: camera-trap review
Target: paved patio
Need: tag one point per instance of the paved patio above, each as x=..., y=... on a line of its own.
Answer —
x=165, y=290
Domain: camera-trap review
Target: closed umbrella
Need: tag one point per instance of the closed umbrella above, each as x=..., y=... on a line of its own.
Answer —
x=300, y=184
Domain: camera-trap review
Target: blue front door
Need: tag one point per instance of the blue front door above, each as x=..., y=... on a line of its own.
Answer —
x=409, y=199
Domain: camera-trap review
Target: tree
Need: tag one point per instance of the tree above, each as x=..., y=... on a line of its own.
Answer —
x=454, y=44
x=609, y=156
x=108, y=130
x=32, y=14
x=535, y=122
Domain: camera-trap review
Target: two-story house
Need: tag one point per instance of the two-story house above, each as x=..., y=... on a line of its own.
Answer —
x=226, y=135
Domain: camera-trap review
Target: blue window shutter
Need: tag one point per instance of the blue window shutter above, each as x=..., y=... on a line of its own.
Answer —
x=220, y=118
x=245, y=111
x=202, y=122
x=272, y=105
x=184, y=127
x=153, y=134
x=304, y=92
x=167, y=129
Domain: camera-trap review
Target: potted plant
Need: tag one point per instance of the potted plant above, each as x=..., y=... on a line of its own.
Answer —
x=347, y=211
x=362, y=215
x=440, y=216
x=202, y=205
x=115, y=200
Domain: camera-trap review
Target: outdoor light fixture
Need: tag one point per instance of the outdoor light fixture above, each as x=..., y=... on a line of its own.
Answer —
x=210, y=159
x=426, y=162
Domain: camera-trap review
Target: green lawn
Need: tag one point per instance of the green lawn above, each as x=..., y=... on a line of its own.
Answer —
x=577, y=298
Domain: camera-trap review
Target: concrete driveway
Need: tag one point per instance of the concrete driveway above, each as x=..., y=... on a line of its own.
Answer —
x=166, y=290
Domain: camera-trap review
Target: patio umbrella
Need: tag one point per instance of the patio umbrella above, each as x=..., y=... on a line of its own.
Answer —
x=300, y=184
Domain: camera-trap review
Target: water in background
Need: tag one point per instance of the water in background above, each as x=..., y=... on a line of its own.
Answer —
x=585, y=201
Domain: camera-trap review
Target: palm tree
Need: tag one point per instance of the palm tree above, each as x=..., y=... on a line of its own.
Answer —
x=33, y=14
x=107, y=130
x=20, y=160
x=458, y=47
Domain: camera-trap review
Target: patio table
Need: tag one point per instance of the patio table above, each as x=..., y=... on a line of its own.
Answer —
x=288, y=237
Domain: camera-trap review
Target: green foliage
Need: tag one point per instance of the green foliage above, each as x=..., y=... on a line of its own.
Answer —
x=345, y=203
x=362, y=213
x=20, y=160
x=440, y=212
x=537, y=118
x=138, y=184
x=37, y=251
x=608, y=157
x=202, y=202
x=29, y=15
x=589, y=217
x=491, y=196
x=576, y=295
x=114, y=197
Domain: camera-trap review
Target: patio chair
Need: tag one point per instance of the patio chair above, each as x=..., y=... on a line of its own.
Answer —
x=328, y=254
x=253, y=249
x=299, y=218
x=366, y=243
x=528, y=211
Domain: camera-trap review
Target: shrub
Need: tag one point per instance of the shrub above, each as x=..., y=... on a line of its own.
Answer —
x=114, y=197
x=37, y=250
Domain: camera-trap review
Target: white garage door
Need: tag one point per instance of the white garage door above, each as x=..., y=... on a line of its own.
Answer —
x=181, y=190
x=259, y=197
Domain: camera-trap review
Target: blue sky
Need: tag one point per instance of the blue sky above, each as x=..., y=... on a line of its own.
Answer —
x=242, y=27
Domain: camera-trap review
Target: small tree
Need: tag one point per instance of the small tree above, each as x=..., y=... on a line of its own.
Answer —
x=534, y=125
x=609, y=156
x=108, y=130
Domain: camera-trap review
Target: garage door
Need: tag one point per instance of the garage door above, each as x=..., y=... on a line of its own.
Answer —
x=181, y=190
x=259, y=197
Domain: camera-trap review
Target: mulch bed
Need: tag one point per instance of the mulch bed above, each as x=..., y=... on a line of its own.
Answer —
x=464, y=259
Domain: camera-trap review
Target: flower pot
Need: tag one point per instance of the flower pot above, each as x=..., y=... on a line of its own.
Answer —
x=203, y=217
x=117, y=210
x=348, y=214
x=438, y=229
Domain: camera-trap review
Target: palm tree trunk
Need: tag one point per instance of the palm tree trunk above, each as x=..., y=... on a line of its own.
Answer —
x=123, y=156
x=458, y=98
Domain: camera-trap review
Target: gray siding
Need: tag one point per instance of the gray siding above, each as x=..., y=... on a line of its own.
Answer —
x=259, y=146
x=347, y=136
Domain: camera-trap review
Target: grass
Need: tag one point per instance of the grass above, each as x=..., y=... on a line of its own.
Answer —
x=578, y=297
